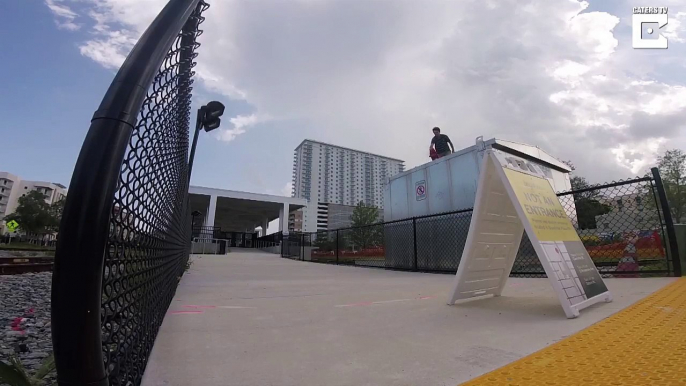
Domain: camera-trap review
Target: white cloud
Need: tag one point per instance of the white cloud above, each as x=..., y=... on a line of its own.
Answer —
x=240, y=123
x=110, y=49
x=378, y=75
x=287, y=189
x=675, y=30
x=64, y=16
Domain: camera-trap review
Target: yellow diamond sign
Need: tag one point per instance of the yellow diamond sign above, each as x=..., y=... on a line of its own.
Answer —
x=12, y=225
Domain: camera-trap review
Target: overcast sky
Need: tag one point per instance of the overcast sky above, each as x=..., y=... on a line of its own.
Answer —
x=377, y=75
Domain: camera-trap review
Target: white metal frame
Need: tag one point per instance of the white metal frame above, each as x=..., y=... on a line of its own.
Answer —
x=493, y=176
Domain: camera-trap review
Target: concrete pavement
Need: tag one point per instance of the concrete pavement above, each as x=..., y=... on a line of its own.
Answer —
x=255, y=319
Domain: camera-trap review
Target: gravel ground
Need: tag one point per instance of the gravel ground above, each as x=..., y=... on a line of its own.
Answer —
x=25, y=319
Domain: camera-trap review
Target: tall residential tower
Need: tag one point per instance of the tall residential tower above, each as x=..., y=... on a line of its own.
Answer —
x=332, y=177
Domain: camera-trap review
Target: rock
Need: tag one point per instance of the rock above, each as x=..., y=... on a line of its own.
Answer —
x=25, y=319
x=36, y=355
x=31, y=363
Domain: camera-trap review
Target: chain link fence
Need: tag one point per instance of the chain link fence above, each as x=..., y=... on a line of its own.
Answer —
x=620, y=223
x=126, y=223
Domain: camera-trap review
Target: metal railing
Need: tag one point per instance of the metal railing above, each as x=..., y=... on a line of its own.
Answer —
x=205, y=246
x=125, y=230
x=626, y=227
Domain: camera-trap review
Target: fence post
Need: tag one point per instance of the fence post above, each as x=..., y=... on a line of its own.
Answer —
x=669, y=224
x=414, y=243
x=302, y=247
x=337, y=246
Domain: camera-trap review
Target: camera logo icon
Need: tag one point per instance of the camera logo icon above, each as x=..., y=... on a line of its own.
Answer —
x=646, y=23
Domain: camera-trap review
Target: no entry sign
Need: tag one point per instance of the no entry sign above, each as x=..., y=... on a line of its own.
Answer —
x=420, y=189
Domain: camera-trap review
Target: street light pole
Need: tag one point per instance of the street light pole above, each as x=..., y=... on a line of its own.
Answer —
x=207, y=118
x=198, y=127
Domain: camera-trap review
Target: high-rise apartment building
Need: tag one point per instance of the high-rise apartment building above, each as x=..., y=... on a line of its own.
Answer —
x=12, y=187
x=328, y=174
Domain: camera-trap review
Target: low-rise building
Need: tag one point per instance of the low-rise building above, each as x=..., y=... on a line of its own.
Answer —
x=12, y=187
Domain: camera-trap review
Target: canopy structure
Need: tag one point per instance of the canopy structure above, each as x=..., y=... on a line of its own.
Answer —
x=235, y=211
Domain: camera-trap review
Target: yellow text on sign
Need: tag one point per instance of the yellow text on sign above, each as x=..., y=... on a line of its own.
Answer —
x=541, y=207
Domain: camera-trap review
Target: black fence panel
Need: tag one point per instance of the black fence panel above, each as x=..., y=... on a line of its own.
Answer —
x=293, y=245
x=126, y=227
x=526, y=263
x=399, y=245
x=207, y=232
x=621, y=224
x=323, y=247
x=361, y=246
x=441, y=240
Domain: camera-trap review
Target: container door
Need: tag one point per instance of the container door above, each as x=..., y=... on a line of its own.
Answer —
x=464, y=176
x=438, y=191
x=398, y=198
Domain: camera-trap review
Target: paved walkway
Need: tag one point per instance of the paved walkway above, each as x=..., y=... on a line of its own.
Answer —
x=253, y=319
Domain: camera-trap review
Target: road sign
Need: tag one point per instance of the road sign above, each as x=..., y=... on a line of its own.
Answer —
x=514, y=196
x=12, y=225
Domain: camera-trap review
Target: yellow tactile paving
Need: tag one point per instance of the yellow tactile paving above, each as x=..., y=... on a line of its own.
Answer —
x=642, y=345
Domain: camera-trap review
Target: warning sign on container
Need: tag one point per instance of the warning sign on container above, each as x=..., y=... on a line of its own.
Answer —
x=420, y=189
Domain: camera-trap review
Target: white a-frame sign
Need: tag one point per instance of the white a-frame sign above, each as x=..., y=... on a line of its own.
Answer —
x=513, y=195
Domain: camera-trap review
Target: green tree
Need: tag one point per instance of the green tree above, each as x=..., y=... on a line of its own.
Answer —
x=324, y=242
x=588, y=203
x=56, y=210
x=672, y=166
x=34, y=215
x=327, y=241
x=364, y=234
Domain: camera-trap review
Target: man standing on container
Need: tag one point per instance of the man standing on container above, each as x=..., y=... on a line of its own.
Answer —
x=440, y=142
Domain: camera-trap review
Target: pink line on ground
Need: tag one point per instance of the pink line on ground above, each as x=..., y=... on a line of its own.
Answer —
x=426, y=297
x=187, y=312
x=194, y=306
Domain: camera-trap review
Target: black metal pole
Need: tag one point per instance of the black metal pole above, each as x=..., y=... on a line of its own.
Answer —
x=669, y=224
x=79, y=257
x=414, y=237
x=337, y=246
x=198, y=127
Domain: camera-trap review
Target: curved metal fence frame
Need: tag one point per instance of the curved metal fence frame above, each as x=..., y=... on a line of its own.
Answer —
x=77, y=290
